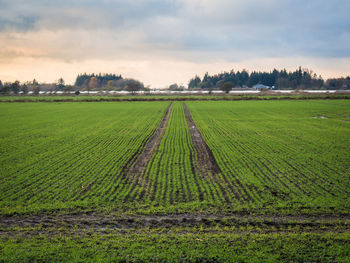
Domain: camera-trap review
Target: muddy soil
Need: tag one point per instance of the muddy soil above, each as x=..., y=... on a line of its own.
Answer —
x=137, y=165
x=205, y=159
x=95, y=221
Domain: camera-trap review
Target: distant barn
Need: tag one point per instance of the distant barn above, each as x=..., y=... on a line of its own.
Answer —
x=261, y=86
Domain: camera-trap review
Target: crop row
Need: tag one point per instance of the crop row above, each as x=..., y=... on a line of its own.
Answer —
x=168, y=175
x=269, y=153
x=274, y=153
x=66, y=156
x=173, y=173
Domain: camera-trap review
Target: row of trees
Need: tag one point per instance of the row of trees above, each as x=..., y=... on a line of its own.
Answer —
x=16, y=87
x=107, y=82
x=90, y=82
x=176, y=87
x=33, y=86
x=280, y=79
x=101, y=79
x=339, y=83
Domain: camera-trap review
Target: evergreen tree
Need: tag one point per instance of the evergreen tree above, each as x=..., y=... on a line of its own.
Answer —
x=194, y=83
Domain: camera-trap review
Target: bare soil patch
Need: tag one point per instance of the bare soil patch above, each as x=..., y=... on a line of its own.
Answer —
x=319, y=117
x=205, y=158
x=80, y=222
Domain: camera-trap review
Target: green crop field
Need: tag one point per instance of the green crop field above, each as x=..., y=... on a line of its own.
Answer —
x=199, y=181
x=70, y=154
x=280, y=154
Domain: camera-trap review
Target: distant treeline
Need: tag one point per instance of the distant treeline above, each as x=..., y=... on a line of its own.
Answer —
x=279, y=79
x=107, y=82
x=301, y=78
x=84, y=82
x=101, y=78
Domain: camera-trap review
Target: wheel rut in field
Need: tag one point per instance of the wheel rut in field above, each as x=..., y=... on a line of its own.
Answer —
x=205, y=158
x=136, y=166
x=80, y=222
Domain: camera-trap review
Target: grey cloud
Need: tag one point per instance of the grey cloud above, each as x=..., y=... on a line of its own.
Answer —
x=85, y=14
x=19, y=23
x=260, y=28
x=191, y=29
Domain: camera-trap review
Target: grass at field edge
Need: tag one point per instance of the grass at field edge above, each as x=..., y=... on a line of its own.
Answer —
x=179, y=248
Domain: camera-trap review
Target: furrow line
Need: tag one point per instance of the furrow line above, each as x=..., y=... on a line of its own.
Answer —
x=138, y=165
x=206, y=164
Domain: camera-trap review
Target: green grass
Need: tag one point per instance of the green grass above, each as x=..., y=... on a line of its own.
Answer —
x=169, y=177
x=70, y=154
x=60, y=160
x=189, y=247
x=274, y=155
x=280, y=154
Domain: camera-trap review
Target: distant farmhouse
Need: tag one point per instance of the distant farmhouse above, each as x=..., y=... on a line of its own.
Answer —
x=261, y=86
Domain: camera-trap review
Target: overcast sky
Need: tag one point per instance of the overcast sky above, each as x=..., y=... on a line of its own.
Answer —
x=164, y=41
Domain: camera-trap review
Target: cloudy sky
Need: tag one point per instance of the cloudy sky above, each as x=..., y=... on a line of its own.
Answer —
x=164, y=41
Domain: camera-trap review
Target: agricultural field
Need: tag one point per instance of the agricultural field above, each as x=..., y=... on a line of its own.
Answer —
x=280, y=154
x=174, y=97
x=212, y=181
x=70, y=154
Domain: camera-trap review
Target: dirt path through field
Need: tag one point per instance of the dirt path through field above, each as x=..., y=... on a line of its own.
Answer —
x=205, y=158
x=95, y=222
x=137, y=165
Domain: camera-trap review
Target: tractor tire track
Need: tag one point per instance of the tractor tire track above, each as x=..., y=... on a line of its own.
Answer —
x=134, y=170
x=80, y=222
x=204, y=154
x=206, y=164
